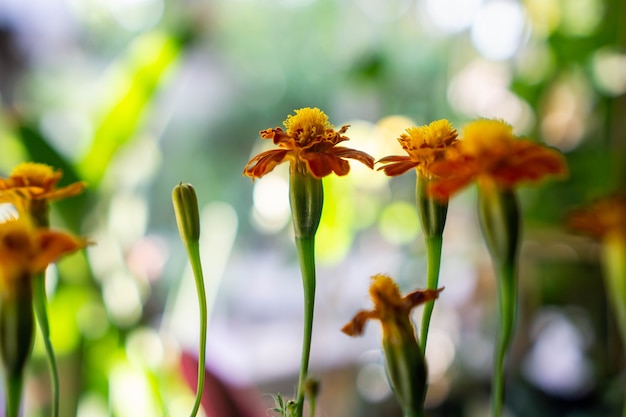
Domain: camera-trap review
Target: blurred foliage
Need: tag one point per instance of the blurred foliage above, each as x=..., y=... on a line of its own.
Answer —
x=135, y=106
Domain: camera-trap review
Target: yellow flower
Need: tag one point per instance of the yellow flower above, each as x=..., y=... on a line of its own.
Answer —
x=34, y=181
x=490, y=153
x=310, y=140
x=425, y=145
x=26, y=250
x=605, y=218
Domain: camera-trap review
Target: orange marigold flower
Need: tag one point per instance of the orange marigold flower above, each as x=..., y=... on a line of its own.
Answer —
x=37, y=182
x=309, y=139
x=604, y=218
x=425, y=145
x=489, y=151
x=26, y=250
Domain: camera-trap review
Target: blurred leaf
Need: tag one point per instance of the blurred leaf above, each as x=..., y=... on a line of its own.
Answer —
x=134, y=81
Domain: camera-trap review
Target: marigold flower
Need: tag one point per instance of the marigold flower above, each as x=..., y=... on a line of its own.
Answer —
x=310, y=139
x=490, y=152
x=604, y=218
x=26, y=250
x=38, y=182
x=425, y=145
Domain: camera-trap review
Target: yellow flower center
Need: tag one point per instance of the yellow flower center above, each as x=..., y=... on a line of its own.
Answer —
x=486, y=136
x=385, y=295
x=307, y=124
x=433, y=135
x=34, y=173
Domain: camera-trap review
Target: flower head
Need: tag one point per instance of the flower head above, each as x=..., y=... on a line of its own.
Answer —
x=425, y=145
x=38, y=182
x=489, y=152
x=602, y=219
x=26, y=250
x=390, y=307
x=310, y=140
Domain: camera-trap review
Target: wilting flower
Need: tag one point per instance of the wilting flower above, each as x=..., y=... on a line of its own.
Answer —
x=406, y=367
x=489, y=152
x=310, y=140
x=424, y=145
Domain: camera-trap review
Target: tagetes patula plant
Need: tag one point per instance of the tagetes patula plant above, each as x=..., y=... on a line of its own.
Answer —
x=309, y=144
x=605, y=220
x=424, y=146
x=490, y=155
x=406, y=366
x=25, y=251
x=31, y=187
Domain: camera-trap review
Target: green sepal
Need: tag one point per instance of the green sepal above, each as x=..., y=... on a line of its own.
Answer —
x=306, y=196
x=432, y=212
x=406, y=367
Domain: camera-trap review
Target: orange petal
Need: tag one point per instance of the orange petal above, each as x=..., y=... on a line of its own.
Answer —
x=417, y=297
x=322, y=164
x=362, y=157
x=443, y=188
x=69, y=191
x=52, y=245
x=398, y=168
x=264, y=162
x=530, y=162
x=356, y=326
x=277, y=135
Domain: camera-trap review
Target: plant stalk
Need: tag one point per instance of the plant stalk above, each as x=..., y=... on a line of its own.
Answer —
x=41, y=313
x=305, y=247
x=193, y=249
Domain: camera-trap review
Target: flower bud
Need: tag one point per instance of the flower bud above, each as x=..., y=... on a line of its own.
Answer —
x=186, y=210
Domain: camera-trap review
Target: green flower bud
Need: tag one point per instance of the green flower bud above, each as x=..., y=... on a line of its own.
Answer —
x=186, y=210
x=432, y=211
x=306, y=197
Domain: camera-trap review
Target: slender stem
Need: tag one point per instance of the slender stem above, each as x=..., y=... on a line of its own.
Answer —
x=433, y=252
x=41, y=312
x=193, y=248
x=507, y=307
x=306, y=254
x=614, y=264
x=432, y=215
x=14, y=394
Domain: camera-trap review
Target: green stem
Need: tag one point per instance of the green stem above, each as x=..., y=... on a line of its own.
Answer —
x=432, y=214
x=499, y=215
x=507, y=307
x=14, y=394
x=193, y=249
x=614, y=264
x=41, y=312
x=306, y=254
x=433, y=252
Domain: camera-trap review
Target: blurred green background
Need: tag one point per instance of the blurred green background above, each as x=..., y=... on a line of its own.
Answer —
x=134, y=96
